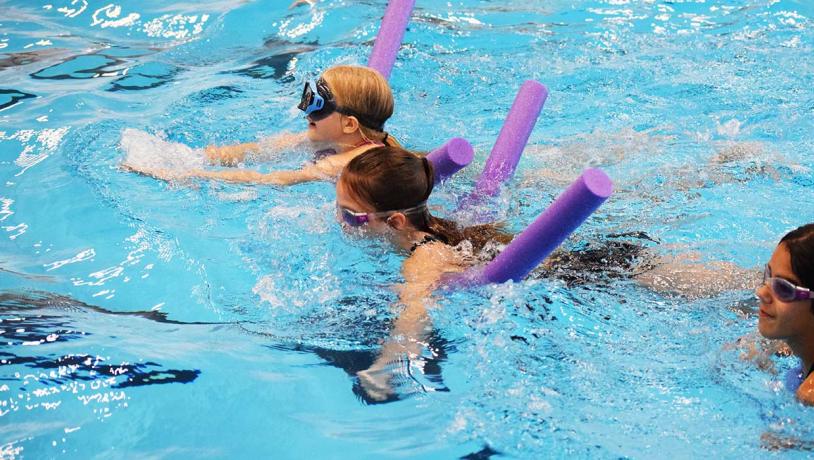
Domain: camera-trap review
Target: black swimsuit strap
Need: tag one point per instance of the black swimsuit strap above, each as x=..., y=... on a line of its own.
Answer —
x=430, y=239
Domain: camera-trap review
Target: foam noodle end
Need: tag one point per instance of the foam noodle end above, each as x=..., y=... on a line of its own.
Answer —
x=450, y=158
x=460, y=152
x=519, y=123
x=597, y=182
x=534, y=87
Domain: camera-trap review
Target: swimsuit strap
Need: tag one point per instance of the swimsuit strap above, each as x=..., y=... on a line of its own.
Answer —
x=432, y=239
x=810, y=370
x=320, y=154
x=365, y=142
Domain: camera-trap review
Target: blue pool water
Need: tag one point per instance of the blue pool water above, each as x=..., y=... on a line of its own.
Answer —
x=147, y=320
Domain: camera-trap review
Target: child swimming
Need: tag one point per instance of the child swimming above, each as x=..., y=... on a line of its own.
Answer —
x=786, y=306
x=346, y=109
x=383, y=192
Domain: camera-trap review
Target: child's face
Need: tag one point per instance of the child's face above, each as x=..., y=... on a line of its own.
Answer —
x=790, y=320
x=328, y=129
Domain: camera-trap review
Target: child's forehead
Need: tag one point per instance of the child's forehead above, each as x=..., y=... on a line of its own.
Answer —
x=345, y=196
x=780, y=264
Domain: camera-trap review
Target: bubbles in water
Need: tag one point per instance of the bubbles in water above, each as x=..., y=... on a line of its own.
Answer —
x=148, y=151
x=730, y=129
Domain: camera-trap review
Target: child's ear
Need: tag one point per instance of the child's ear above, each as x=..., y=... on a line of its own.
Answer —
x=397, y=221
x=349, y=124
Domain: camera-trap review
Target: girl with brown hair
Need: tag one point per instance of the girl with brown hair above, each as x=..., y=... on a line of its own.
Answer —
x=787, y=303
x=383, y=192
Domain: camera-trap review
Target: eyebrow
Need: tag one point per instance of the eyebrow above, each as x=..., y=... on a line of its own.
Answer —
x=792, y=279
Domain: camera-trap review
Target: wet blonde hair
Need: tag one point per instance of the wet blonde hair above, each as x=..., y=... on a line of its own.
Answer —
x=365, y=91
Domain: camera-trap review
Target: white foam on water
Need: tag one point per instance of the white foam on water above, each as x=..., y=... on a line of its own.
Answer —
x=145, y=150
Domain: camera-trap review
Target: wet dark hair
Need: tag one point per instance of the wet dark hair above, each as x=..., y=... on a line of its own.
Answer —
x=391, y=178
x=614, y=256
x=800, y=243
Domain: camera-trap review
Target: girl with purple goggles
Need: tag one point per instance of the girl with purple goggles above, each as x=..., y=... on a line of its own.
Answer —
x=786, y=307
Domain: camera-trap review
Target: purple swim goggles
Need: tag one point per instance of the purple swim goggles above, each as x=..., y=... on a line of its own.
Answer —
x=784, y=289
x=357, y=219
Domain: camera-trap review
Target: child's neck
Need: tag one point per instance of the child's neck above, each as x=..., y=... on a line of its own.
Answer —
x=804, y=349
x=352, y=142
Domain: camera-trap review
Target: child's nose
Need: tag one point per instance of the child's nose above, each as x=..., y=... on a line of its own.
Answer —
x=763, y=293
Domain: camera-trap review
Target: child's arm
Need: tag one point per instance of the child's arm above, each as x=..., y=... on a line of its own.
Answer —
x=325, y=169
x=231, y=155
x=422, y=272
x=689, y=277
x=307, y=174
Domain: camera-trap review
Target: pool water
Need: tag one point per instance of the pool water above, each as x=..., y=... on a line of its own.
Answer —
x=142, y=319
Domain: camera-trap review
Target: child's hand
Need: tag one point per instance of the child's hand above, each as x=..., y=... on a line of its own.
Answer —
x=227, y=155
x=376, y=382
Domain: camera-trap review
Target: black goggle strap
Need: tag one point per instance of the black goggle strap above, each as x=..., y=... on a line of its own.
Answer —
x=363, y=119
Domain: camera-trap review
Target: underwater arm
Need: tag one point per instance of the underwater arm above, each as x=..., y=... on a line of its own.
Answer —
x=689, y=277
x=421, y=271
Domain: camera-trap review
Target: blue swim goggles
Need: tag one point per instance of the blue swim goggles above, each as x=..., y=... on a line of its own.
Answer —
x=318, y=103
x=317, y=100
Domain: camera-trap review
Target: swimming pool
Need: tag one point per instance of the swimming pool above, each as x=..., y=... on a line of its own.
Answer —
x=141, y=319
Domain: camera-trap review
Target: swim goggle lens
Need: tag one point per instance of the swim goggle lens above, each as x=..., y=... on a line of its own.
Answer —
x=317, y=101
x=357, y=219
x=784, y=289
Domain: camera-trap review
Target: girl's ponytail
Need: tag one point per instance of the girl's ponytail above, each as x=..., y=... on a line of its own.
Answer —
x=390, y=141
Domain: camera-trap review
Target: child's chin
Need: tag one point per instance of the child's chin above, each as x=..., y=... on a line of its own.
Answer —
x=765, y=330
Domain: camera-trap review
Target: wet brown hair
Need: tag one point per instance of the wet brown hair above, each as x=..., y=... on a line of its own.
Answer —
x=364, y=91
x=390, y=178
x=800, y=243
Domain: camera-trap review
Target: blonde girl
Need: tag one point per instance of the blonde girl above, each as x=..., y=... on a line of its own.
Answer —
x=346, y=110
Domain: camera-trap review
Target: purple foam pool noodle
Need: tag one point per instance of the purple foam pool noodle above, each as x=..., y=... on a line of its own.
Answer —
x=450, y=158
x=390, y=35
x=550, y=229
x=513, y=137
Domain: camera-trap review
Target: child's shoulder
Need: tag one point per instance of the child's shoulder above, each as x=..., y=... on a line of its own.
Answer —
x=806, y=391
